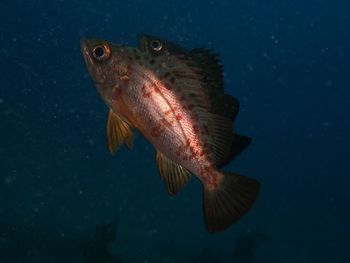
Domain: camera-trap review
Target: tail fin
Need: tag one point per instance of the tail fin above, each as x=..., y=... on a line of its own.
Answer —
x=229, y=201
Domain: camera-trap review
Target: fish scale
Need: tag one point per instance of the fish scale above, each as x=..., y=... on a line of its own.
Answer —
x=151, y=110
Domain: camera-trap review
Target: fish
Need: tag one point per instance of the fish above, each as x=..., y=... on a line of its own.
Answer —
x=175, y=98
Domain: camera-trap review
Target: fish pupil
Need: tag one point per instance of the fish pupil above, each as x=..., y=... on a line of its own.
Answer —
x=156, y=45
x=99, y=52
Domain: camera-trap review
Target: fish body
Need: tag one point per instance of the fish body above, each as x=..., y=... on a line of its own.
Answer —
x=167, y=122
x=175, y=98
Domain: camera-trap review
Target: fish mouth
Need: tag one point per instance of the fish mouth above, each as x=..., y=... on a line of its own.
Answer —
x=85, y=51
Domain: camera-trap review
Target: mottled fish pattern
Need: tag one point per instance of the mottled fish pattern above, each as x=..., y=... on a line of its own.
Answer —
x=175, y=97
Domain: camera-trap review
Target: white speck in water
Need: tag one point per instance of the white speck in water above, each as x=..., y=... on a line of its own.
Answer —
x=152, y=232
x=329, y=83
x=250, y=67
x=91, y=142
x=10, y=179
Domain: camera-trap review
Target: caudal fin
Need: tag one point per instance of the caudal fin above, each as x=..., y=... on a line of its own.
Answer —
x=229, y=201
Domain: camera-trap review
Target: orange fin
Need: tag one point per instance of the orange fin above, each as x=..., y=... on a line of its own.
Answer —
x=229, y=201
x=174, y=175
x=118, y=132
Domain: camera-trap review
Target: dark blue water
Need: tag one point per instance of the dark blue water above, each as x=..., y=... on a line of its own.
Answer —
x=287, y=62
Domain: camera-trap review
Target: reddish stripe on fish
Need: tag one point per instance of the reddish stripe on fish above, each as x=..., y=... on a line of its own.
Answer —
x=148, y=90
x=209, y=176
x=167, y=121
x=193, y=149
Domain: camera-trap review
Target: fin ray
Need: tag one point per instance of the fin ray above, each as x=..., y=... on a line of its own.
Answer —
x=229, y=201
x=212, y=77
x=118, y=132
x=211, y=69
x=220, y=134
x=239, y=144
x=174, y=175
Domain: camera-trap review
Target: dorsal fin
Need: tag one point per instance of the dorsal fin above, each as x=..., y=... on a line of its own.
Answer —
x=174, y=175
x=222, y=104
x=212, y=71
x=118, y=132
x=239, y=144
x=212, y=74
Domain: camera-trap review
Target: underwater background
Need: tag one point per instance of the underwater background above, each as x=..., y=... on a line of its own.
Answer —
x=63, y=198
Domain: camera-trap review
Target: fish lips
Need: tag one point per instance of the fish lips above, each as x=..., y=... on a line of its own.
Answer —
x=84, y=43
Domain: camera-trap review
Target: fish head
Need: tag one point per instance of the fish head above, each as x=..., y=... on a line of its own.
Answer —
x=108, y=65
x=114, y=67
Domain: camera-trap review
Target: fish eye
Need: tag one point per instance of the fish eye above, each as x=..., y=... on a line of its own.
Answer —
x=156, y=45
x=101, y=53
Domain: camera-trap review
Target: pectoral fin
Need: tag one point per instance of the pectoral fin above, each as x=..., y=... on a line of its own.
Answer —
x=174, y=175
x=118, y=132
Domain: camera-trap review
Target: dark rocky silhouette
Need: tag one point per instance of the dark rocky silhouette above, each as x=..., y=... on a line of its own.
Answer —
x=28, y=243
x=207, y=255
x=96, y=250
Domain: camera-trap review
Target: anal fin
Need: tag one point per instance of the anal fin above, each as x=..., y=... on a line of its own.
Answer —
x=174, y=175
x=118, y=132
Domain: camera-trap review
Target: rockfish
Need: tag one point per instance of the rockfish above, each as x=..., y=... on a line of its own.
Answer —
x=175, y=98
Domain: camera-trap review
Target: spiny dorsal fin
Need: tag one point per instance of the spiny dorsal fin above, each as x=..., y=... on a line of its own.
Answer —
x=208, y=62
x=212, y=74
x=118, y=132
x=174, y=175
x=220, y=135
